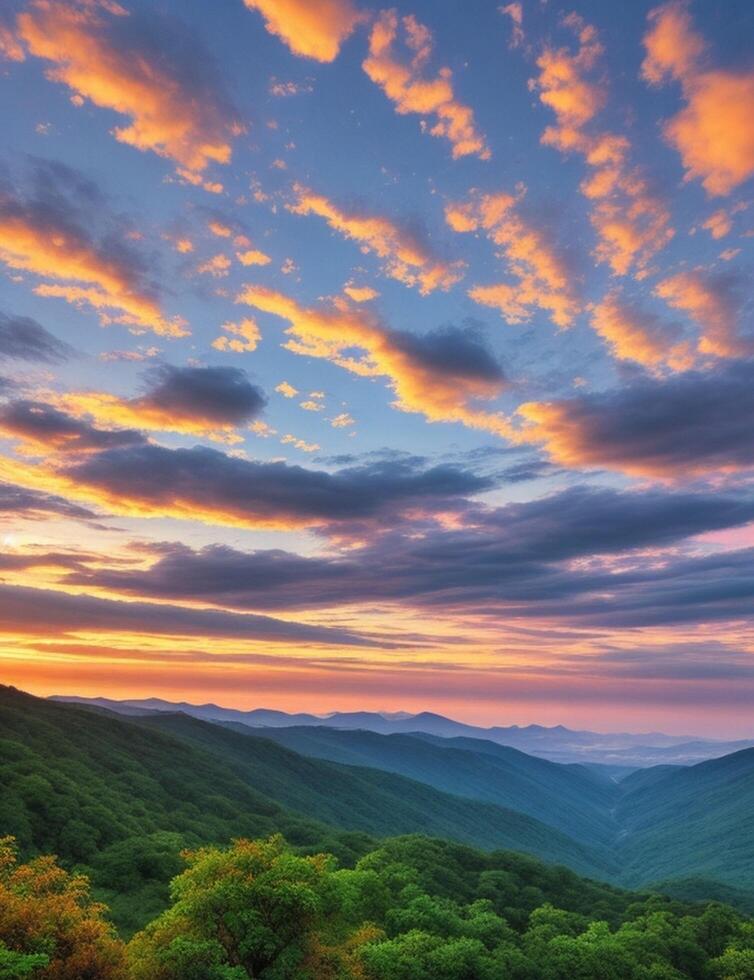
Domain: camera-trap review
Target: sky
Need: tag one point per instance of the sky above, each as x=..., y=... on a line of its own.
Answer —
x=396, y=358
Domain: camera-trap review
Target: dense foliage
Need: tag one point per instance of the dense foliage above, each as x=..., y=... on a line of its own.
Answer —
x=49, y=926
x=412, y=909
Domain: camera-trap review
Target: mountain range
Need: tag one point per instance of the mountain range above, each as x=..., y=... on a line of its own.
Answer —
x=557, y=743
x=120, y=795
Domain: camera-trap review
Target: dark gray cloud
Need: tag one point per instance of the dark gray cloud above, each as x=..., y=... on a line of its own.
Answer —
x=689, y=423
x=526, y=560
x=208, y=480
x=456, y=352
x=47, y=426
x=25, y=339
x=20, y=502
x=221, y=395
x=21, y=610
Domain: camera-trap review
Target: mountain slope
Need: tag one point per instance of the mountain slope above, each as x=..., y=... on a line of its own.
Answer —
x=122, y=802
x=693, y=822
x=78, y=782
x=375, y=801
x=569, y=798
x=86, y=784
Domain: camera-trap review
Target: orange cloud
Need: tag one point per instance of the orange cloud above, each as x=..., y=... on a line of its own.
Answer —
x=253, y=256
x=718, y=224
x=300, y=444
x=10, y=48
x=111, y=410
x=404, y=83
x=439, y=376
x=714, y=132
x=562, y=84
x=245, y=336
x=632, y=223
x=217, y=266
x=286, y=390
x=219, y=229
x=635, y=335
x=175, y=110
x=406, y=258
x=311, y=28
x=712, y=301
x=543, y=280
x=82, y=272
x=360, y=294
x=516, y=13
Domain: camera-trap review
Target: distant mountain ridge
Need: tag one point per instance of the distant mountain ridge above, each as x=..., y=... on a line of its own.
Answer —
x=558, y=744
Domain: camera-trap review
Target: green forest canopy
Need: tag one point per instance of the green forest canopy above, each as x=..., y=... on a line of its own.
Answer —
x=413, y=908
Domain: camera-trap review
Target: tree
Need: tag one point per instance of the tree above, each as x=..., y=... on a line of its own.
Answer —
x=49, y=927
x=250, y=910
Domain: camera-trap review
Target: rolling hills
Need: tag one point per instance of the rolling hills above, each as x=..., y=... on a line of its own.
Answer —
x=121, y=795
x=573, y=799
x=375, y=801
x=695, y=822
x=658, y=824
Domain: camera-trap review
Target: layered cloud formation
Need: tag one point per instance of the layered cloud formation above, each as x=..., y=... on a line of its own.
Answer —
x=443, y=395
x=131, y=477
x=202, y=401
x=687, y=425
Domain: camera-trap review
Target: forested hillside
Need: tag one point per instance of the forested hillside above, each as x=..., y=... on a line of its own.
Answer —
x=377, y=802
x=122, y=802
x=121, y=798
x=697, y=821
x=571, y=798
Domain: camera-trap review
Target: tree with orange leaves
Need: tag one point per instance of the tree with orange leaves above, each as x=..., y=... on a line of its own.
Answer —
x=50, y=928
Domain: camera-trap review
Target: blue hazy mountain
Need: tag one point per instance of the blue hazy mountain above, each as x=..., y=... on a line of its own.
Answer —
x=557, y=743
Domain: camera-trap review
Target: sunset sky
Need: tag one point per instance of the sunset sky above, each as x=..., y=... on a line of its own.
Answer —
x=387, y=358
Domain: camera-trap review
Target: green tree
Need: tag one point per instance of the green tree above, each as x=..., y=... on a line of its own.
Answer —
x=246, y=911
